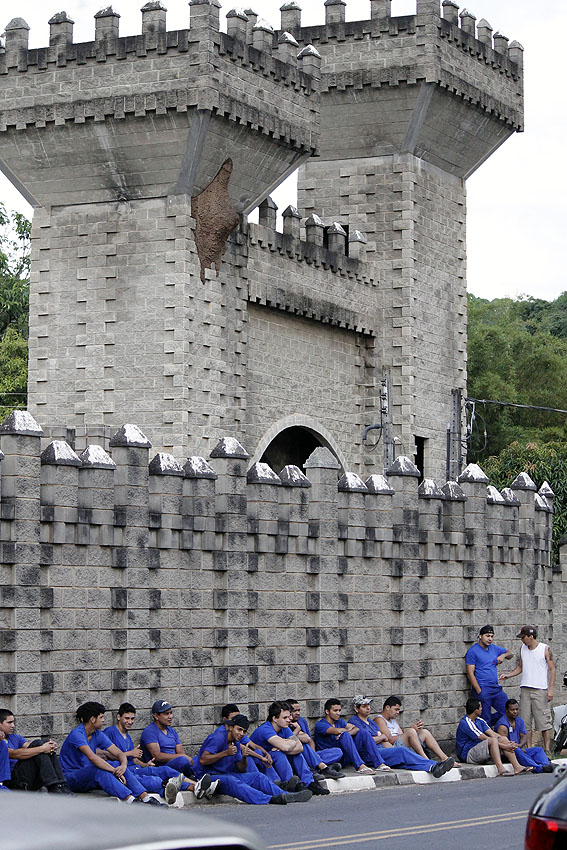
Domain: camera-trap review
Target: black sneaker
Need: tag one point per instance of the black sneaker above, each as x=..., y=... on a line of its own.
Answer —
x=293, y=784
x=439, y=770
x=318, y=790
x=547, y=768
x=60, y=788
x=299, y=797
x=279, y=799
x=331, y=773
x=318, y=775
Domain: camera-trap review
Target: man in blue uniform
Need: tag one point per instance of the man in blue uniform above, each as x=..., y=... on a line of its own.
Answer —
x=4, y=762
x=33, y=764
x=85, y=770
x=158, y=780
x=275, y=735
x=372, y=737
x=223, y=755
x=324, y=763
x=481, y=662
x=511, y=726
x=160, y=741
x=258, y=758
x=477, y=743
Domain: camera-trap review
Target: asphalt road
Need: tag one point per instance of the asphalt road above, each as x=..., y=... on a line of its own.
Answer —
x=465, y=815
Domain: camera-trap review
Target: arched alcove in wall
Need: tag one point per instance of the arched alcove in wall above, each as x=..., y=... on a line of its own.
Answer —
x=291, y=441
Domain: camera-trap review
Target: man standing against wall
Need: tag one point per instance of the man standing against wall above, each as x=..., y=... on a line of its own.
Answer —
x=481, y=660
x=537, y=667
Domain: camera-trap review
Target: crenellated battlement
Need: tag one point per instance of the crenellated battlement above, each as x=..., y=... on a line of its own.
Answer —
x=199, y=78
x=129, y=575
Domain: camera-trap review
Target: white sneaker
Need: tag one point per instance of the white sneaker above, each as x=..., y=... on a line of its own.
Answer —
x=211, y=789
x=202, y=786
x=172, y=788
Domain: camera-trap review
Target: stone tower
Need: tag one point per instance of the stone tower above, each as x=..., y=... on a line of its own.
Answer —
x=410, y=107
x=152, y=298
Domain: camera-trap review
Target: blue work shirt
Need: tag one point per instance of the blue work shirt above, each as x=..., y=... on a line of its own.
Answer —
x=468, y=735
x=123, y=743
x=214, y=743
x=4, y=762
x=14, y=742
x=485, y=663
x=513, y=734
x=369, y=725
x=71, y=757
x=167, y=740
x=262, y=733
x=322, y=740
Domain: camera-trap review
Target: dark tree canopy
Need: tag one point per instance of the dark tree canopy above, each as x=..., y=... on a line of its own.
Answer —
x=14, y=309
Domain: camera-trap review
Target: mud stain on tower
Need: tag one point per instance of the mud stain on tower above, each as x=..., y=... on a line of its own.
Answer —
x=215, y=219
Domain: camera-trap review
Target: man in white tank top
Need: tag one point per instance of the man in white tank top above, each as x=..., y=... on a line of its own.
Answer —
x=537, y=667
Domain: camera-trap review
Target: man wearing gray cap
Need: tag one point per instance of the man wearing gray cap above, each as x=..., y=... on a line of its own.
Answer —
x=537, y=667
x=160, y=741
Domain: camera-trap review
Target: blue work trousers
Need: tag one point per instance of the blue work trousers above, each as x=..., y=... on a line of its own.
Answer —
x=90, y=778
x=405, y=758
x=493, y=698
x=252, y=788
x=181, y=764
x=532, y=757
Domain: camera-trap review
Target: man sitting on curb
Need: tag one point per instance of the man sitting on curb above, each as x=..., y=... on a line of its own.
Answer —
x=477, y=743
x=276, y=735
x=414, y=737
x=371, y=738
x=34, y=764
x=223, y=754
x=325, y=763
x=4, y=762
x=86, y=771
x=511, y=726
x=258, y=758
x=157, y=780
x=161, y=743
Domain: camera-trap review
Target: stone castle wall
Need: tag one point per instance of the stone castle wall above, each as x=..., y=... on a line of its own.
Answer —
x=137, y=576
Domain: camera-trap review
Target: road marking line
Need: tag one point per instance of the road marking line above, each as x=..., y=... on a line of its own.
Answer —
x=418, y=829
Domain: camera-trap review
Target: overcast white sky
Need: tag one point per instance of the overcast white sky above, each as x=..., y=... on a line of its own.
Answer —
x=516, y=201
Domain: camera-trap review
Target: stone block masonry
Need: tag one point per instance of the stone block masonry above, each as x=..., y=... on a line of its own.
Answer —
x=131, y=575
x=148, y=301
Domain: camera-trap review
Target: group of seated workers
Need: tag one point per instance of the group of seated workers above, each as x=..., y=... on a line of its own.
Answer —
x=477, y=743
x=279, y=763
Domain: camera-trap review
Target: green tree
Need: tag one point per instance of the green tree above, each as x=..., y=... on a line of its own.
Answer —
x=542, y=462
x=14, y=309
x=13, y=372
x=517, y=353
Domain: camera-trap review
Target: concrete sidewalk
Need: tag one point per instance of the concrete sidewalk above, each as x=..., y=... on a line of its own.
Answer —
x=354, y=782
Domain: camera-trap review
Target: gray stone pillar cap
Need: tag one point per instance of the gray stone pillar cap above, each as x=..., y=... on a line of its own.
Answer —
x=95, y=457
x=130, y=435
x=165, y=464
x=60, y=453
x=352, y=483
x=17, y=24
x=473, y=474
x=287, y=38
x=61, y=18
x=321, y=458
x=291, y=212
x=292, y=476
x=523, y=482
x=379, y=484
x=310, y=50
x=197, y=467
x=403, y=466
x=107, y=12
x=237, y=13
x=494, y=496
x=428, y=489
x=229, y=447
x=262, y=473
x=453, y=492
x=21, y=422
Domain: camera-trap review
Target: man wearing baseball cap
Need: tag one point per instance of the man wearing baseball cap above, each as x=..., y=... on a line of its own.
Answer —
x=537, y=667
x=160, y=741
x=481, y=660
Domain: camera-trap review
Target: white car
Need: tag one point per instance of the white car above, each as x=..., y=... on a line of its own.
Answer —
x=31, y=821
